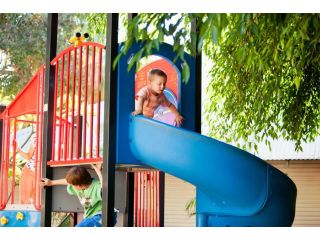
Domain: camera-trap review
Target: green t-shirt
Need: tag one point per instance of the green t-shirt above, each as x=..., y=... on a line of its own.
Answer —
x=89, y=198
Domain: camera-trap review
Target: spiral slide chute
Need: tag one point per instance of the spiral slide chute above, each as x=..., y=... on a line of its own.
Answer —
x=234, y=187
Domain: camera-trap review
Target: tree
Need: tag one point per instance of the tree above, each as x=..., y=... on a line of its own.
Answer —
x=265, y=73
x=22, y=41
x=265, y=82
x=23, y=46
x=265, y=70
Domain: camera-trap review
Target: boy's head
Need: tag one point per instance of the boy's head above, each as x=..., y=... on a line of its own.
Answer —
x=78, y=177
x=158, y=80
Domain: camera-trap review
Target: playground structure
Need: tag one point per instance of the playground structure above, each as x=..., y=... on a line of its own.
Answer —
x=234, y=188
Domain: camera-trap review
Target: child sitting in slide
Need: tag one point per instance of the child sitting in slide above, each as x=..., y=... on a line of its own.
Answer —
x=150, y=97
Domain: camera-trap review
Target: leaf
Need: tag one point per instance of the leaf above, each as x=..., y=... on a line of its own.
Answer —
x=215, y=34
x=136, y=58
x=255, y=29
x=185, y=72
x=115, y=62
x=241, y=54
x=200, y=43
x=297, y=81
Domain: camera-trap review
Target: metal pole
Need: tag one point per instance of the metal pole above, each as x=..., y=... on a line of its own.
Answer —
x=2, y=108
x=198, y=69
x=110, y=124
x=46, y=197
x=161, y=197
x=129, y=214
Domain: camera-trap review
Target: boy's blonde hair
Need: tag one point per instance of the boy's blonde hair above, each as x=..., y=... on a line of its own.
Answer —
x=157, y=72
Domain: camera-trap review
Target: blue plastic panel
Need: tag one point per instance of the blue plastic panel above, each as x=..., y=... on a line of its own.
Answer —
x=29, y=218
x=126, y=92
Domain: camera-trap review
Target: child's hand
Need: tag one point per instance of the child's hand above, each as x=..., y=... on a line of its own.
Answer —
x=135, y=113
x=45, y=182
x=179, y=120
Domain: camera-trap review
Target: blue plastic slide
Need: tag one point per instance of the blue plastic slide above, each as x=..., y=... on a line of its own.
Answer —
x=234, y=187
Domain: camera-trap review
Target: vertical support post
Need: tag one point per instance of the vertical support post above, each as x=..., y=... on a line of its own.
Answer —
x=2, y=108
x=13, y=185
x=46, y=197
x=201, y=220
x=2, y=122
x=2, y=154
x=198, y=69
x=75, y=218
x=161, y=198
x=110, y=124
x=129, y=214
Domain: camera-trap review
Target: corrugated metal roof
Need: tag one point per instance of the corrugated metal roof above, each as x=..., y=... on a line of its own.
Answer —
x=285, y=150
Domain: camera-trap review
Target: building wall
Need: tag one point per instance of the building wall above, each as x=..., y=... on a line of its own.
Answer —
x=306, y=175
x=177, y=194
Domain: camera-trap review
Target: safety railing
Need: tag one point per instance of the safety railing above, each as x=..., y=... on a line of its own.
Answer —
x=12, y=116
x=146, y=199
x=77, y=105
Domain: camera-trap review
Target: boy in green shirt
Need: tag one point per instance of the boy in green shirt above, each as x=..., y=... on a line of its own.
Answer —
x=88, y=191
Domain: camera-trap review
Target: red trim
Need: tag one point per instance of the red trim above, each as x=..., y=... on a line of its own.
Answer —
x=98, y=103
x=85, y=103
x=79, y=104
x=69, y=49
x=21, y=94
x=66, y=135
x=73, y=97
x=54, y=109
x=61, y=103
x=92, y=98
x=13, y=178
x=74, y=162
x=146, y=199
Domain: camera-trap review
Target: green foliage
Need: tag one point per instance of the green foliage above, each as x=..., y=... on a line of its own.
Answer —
x=61, y=219
x=5, y=99
x=265, y=79
x=191, y=206
x=265, y=72
x=153, y=29
x=23, y=46
x=96, y=25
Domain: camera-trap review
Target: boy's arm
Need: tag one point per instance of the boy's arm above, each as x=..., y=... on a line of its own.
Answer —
x=179, y=119
x=138, y=103
x=97, y=168
x=46, y=182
